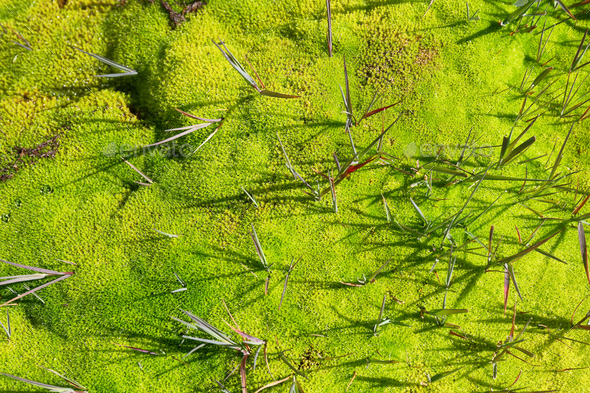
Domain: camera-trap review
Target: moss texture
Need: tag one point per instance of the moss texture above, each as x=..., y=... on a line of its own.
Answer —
x=83, y=205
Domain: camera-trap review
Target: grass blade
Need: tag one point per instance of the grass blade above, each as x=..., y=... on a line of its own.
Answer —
x=258, y=247
x=419, y=211
x=583, y=248
x=506, y=287
x=275, y=383
x=329, y=10
x=35, y=269
x=208, y=138
x=440, y=376
x=375, y=111
x=137, y=170
x=127, y=70
x=560, y=155
x=447, y=311
x=63, y=277
x=236, y=64
x=269, y=93
x=188, y=131
x=510, y=270
x=521, y=254
x=56, y=389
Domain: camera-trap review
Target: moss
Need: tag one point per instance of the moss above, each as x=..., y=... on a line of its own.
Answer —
x=445, y=70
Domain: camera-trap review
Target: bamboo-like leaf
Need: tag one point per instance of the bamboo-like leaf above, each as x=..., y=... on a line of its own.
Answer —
x=548, y=254
x=560, y=155
x=510, y=270
x=51, y=388
x=236, y=64
x=208, y=138
x=580, y=206
x=288, y=162
x=519, y=150
x=137, y=170
x=375, y=111
x=166, y=234
x=243, y=373
x=137, y=349
x=258, y=247
x=564, y=7
x=220, y=337
x=578, y=57
x=275, y=383
x=524, y=252
x=440, y=376
x=379, y=319
x=223, y=388
x=447, y=311
x=188, y=129
x=179, y=280
x=583, y=249
x=333, y=190
x=276, y=95
x=7, y=328
x=348, y=101
x=23, y=278
x=372, y=278
x=63, y=277
x=356, y=167
x=296, y=387
x=491, y=238
x=366, y=150
x=329, y=35
x=518, y=13
x=126, y=70
x=251, y=198
x=75, y=384
x=199, y=118
x=419, y=211
x=291, y=267
x=288, y=363
x=540, y=77
x=35, y=269
x=450, y=269
x=386, y=207
x=506, y=287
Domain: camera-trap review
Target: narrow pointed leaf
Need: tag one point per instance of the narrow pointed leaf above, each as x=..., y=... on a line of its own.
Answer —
x=583, y=249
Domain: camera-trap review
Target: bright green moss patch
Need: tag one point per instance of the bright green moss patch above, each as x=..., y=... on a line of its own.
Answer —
x=84, y=204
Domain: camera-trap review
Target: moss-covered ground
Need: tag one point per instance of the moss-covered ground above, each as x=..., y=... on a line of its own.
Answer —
x=83, y=206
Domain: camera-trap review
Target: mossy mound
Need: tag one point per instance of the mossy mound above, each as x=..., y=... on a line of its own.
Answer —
x=71, y=197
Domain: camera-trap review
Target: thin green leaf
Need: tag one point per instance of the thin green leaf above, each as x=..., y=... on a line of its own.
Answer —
x=127, y=71
x=236, y=64
x=510, y=270
x=276, y=95
x=440, y=376
x=583, y=249
x=258, y=247
x=375, y=111
x=447, y=311
x=188, y=129
x=65, y=275
x=524, y=252
x=329, y=11
x=51, y=388
x=560, y=155
x=35, y=269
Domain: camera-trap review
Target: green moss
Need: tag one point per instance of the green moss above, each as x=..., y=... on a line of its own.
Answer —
x=445, y=70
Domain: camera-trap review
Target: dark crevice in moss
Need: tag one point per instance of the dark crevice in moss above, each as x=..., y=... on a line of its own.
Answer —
x=29, y=156
x=177, y=18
